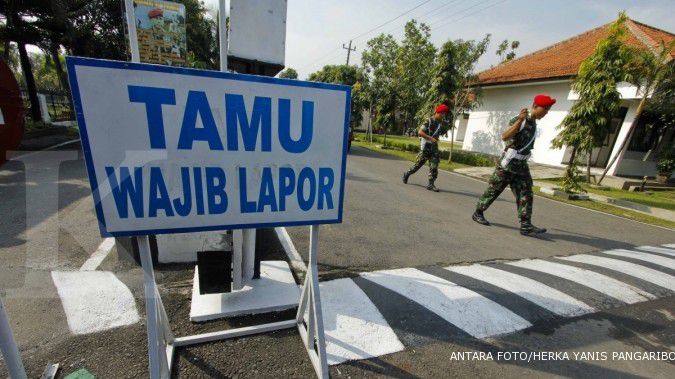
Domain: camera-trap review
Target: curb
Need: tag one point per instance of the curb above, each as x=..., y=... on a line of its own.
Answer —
x=645, y=209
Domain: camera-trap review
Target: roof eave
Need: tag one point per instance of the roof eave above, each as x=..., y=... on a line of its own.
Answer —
x=561, y=78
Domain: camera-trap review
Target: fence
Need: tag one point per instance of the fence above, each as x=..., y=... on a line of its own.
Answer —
x=58, y=104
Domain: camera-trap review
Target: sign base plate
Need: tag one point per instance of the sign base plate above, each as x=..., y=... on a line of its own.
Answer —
x=276, y=290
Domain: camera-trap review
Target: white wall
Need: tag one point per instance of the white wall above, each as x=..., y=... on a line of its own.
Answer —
x=460, y=130
x=500, y=104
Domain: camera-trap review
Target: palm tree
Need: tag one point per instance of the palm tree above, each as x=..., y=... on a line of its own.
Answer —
x=648, y=69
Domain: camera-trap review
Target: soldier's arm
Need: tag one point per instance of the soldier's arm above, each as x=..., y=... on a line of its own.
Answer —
x=515, y=126
x=426, y=136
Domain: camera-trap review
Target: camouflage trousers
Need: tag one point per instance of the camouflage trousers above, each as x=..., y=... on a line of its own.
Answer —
x=521, y=186
x=433, y=156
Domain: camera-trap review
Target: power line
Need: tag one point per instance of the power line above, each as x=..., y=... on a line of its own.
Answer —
x=446, y=21
x=393, y=19
x=441, y=19
x=470, y=14
x=422, y=16
x=331, y=52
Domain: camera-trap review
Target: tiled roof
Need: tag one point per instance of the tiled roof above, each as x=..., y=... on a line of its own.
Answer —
x=562, y=60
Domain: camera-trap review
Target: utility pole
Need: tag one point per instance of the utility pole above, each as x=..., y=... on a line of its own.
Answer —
x=349, y=50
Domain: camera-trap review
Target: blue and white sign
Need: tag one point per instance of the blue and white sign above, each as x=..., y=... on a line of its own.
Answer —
x=173, y=150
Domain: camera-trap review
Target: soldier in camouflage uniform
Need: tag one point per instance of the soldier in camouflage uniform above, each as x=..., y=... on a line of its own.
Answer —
x=429, y=134
x=513, y=170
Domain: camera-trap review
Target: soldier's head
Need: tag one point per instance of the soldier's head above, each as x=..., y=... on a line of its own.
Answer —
x=441, y=111
x=541, y=105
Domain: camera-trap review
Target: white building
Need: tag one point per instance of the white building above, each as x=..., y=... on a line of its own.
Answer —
x=511, y=86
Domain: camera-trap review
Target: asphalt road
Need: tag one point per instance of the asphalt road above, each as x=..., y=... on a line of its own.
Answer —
x=48, y=225
x=388, y=224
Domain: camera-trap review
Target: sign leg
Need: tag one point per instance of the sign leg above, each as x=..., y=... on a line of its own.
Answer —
x=159, y=367
x=310, y=302
x=9, y=349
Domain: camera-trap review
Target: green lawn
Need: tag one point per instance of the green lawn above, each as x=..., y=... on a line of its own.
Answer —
x=413, y=140
x=407, y=155
x=659, y=199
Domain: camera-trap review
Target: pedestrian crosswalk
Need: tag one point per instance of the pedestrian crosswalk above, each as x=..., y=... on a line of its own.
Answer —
x=376, y=313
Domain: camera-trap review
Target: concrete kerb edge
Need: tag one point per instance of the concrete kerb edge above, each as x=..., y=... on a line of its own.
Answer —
x=625, y=204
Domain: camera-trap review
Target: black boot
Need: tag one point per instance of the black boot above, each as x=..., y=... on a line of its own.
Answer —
x=432, y=187
x=527, y=229
x=406, y=175
x=479, y=218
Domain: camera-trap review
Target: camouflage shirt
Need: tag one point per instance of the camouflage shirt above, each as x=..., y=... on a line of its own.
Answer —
x=519, y=141
x=523, y=136
x=434, y=129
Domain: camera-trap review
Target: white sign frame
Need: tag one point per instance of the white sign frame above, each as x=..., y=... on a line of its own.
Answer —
x=73, y=63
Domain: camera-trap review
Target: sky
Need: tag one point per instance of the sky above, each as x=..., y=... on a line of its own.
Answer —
x=316, y=29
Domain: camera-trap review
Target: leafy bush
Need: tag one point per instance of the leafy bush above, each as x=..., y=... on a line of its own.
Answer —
x=665, y=166
x=666, y=162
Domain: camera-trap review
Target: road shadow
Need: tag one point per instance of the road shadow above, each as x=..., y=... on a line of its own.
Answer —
x=14, y=185
x=358, y=178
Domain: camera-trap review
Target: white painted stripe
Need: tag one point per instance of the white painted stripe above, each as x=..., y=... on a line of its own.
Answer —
x=550, y=298
x=354, y=327
x=632, y=269
x=670, y=245
x=94, y=300
x=655, y=249
x=26, y=155
x=601, y=283
x=466, y=309
x=652, y=258
x=99, y=255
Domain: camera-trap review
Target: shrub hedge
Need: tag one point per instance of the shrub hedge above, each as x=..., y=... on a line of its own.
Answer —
x=470, y=158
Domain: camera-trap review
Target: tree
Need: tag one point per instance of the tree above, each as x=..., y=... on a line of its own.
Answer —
x=454, y=79
x=201, y=34
x=507, y=51
x=589, y=120
x=288, y=73
x=379, y=62
x=11, y=56
x=349, y=75
x=651, y=71
x=17, y=29
x=414, y=64
x=90, y=28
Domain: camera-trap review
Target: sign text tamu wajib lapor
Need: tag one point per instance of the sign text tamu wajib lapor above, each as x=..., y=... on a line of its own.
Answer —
x=174, y=150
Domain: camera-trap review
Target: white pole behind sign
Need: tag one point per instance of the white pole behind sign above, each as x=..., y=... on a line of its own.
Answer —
x=159, y=367
x=133, y=36
x=222, y=30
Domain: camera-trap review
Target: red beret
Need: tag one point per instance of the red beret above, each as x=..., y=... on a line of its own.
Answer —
x=442, y=109
x=544, y=100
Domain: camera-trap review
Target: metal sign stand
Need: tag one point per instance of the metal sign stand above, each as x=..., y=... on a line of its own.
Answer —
x=162, y=343
x=10, y=352
x=310, y=302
